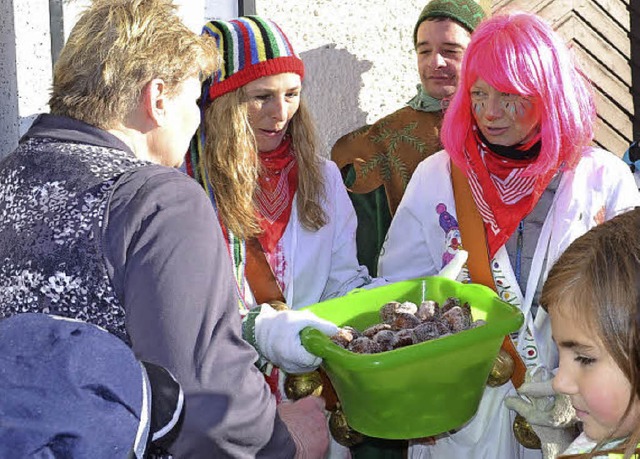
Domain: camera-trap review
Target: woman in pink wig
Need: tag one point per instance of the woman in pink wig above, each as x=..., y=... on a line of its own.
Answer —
x=519, y=133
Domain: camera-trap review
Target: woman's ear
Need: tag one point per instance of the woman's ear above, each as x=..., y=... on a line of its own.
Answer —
x=154, y=100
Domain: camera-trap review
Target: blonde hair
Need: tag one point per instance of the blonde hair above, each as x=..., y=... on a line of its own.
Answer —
x=115, y=49
x=230, y=157
x=598, y=279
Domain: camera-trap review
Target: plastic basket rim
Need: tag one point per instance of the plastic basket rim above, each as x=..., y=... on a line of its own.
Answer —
x=319, y=344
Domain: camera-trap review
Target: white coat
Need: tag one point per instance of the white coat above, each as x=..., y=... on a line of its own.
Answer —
x=319, y=265
x=322, y=264
x=419, y=242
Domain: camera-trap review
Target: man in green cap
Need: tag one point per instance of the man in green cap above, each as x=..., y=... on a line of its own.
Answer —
x=377, y=161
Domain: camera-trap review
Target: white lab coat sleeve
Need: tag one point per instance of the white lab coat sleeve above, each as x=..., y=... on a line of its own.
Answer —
x=407, y=252
x=345, y=273
x=624, y=194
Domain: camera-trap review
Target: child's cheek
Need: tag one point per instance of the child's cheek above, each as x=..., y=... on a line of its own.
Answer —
x=631, y=422
x=606, y=409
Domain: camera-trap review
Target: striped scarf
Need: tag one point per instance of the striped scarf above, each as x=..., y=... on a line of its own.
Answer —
x=278, y=183
x=235, y=246
x=274, y=199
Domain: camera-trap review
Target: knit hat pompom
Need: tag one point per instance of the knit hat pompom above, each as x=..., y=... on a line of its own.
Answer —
x=252, y=47
x=467, y=12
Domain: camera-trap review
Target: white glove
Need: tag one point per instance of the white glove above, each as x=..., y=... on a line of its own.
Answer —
x=454, y=267
x=277, y=336
x=551, y=415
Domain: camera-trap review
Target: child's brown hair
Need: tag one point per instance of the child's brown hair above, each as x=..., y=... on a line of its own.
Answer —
x=598, y=280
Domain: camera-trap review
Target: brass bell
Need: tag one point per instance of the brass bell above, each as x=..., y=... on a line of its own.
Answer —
x=503, y=367
x=525, y=434
x=303, y=384
x=341, y=431
x=278, y=305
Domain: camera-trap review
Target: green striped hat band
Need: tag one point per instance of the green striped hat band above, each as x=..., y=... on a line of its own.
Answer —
x=252, y=47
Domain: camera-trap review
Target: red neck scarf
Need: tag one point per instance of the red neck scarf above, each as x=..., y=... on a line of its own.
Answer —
x=503, y=191
x=277, y=186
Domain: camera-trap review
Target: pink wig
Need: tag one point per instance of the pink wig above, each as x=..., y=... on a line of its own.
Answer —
x=519, y=53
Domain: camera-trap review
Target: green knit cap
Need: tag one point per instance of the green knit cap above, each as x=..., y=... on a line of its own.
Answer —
x=467, y=12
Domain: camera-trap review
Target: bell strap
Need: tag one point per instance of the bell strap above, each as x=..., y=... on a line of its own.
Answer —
x=266, y=289
x=262, y=281
x=474, y=241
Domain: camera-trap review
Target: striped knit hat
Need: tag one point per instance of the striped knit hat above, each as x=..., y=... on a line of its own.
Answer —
x=252, y=47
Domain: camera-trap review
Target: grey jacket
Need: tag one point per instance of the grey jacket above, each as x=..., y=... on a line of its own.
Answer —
x=89, y=231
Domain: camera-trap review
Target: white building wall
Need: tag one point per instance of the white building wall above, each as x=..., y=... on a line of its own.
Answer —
x=25, y=67
x=8, y=81
x=359, y=57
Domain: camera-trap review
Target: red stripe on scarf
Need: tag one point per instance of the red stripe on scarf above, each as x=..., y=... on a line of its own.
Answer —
x=277, y=183
x=503, y=192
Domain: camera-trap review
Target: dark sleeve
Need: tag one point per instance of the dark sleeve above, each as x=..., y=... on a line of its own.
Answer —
x=171, y=270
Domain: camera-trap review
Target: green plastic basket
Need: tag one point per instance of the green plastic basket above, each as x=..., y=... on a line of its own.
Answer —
x=420, y=390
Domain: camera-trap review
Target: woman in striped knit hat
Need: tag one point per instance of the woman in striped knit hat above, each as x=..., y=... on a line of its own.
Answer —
x=278, y=200
x=256, y=154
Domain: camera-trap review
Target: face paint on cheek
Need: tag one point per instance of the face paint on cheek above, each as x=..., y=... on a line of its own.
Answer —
x=510, y=108
x=478, y=107
x=522, y=107
x=517, y=108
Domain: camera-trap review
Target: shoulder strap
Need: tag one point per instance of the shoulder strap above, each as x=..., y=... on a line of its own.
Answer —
x=474, y=241
x=259, y=274
x=265, y=288
x=471, y=229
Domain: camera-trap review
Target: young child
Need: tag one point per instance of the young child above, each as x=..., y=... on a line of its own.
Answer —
x=592, y=295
